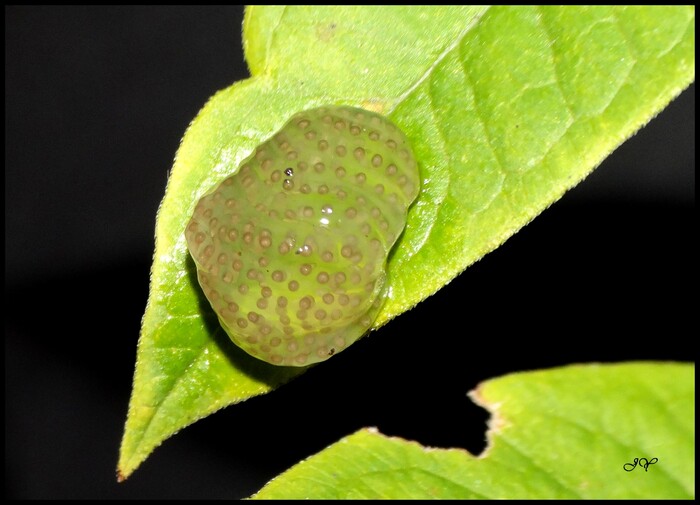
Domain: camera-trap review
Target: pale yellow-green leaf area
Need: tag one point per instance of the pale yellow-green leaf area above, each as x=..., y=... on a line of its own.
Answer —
x=567, y=433
x=506, y=108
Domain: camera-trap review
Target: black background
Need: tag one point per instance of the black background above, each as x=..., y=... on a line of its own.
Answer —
x=96, y=101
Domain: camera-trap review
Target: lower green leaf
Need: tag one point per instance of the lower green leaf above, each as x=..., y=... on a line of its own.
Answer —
x=583, y=431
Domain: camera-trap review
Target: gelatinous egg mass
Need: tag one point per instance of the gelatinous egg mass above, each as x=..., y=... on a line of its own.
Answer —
x=291, y=250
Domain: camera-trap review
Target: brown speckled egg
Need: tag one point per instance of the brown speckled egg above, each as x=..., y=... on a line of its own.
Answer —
x=291, y=249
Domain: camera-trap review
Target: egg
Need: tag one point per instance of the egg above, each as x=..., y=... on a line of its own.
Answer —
x=291, y=249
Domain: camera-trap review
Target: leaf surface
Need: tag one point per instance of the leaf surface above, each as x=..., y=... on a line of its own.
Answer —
x=567, y=433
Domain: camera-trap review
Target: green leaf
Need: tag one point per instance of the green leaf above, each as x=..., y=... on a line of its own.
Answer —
x=506, y=108
x=563, y=433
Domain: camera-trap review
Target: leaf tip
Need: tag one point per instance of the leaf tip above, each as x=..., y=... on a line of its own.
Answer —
x=125, y=468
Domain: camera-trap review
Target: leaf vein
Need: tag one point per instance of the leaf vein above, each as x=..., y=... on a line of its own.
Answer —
x=428, y=73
